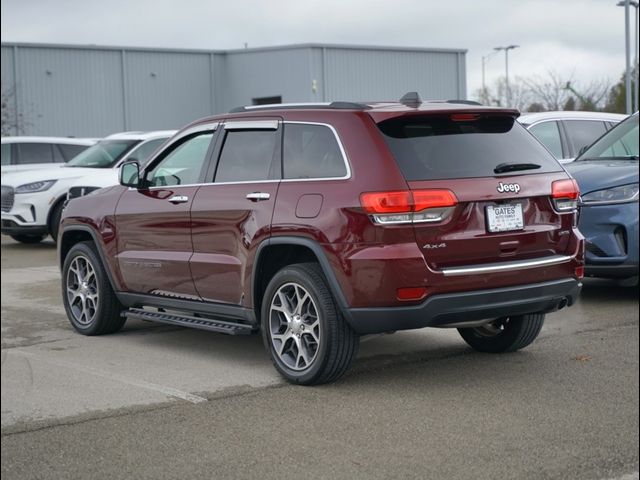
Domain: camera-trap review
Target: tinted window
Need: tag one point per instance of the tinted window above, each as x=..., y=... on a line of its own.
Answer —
x=103, y=154
x=248, y=155
x=70, y=151
x=34, y=153
x=621, y=142
x=6, y=154
x=184, y=164
x=311, y=151
x=142, y=153
x=583, y=133
x=438, y=148
x=549, y=134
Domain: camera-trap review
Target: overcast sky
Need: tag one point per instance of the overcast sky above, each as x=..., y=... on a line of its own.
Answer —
x=583, y=37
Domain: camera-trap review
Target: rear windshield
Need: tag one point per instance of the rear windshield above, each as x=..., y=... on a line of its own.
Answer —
x=437, y=148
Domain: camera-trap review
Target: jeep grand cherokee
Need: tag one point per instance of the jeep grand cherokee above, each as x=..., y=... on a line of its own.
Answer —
x=318, y=223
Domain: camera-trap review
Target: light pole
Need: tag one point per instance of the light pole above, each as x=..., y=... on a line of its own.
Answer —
x=636, y=80
x=485, y=59
x=506, y=65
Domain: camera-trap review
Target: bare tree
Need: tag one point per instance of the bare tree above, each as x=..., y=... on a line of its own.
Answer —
x=550, y=92
x=13, y=121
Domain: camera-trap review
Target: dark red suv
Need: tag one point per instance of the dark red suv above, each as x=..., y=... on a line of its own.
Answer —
x=320, y=223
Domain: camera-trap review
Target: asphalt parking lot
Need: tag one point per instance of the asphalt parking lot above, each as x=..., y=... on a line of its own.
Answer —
x=163, y=402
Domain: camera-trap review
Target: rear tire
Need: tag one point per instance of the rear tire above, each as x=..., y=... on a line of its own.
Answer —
x=91, y=304
x=28, y=239
x=303, y=331
x=506, y=334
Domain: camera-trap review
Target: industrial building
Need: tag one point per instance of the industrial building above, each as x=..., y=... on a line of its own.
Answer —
x=73, y=90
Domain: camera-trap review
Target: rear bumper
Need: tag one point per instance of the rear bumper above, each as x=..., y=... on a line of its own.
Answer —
x=446, y=309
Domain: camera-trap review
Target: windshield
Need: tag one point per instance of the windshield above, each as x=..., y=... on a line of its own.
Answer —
x=621, y=143
x=104, y=154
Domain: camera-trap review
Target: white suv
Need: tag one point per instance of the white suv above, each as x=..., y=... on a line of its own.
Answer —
x=33, y=153
x=567, y=133
x=32, y=201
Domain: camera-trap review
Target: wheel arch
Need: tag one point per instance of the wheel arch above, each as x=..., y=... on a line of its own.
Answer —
x=55, y=205
x=277, y=252
x=74, y=234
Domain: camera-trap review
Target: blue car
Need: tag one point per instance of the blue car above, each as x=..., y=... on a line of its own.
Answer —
x=607, y=173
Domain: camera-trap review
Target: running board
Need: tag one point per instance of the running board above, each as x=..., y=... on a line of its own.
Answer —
x=219, y=326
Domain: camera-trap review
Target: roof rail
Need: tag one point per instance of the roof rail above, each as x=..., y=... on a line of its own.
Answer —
x=411, y=99
x=301, y=106
x=465, y=102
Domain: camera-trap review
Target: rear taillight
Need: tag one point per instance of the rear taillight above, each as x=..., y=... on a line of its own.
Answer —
x=565, y=194
x=409, y=206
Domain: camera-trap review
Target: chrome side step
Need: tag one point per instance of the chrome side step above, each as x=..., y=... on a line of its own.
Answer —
x=220, y=326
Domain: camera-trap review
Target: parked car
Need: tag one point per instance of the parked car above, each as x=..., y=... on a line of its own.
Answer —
x=567, y=133
x=320, y=223
x=32, y=201
x=33, y=153
x=607, y=173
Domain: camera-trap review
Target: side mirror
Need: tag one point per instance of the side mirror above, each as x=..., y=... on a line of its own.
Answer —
x=130, y=174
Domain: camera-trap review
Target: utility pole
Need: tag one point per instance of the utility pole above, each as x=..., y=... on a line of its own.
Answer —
x=485, y=59
x=506, y=65
x=636, y=80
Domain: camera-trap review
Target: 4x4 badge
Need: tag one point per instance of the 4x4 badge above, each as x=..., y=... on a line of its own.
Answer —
x=508, y=187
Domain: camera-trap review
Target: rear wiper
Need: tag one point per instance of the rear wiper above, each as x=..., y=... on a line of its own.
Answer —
x=514, y=167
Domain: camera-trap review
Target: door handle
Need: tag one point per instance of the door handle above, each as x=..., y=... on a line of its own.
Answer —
x=258, y=196
x=179, y=199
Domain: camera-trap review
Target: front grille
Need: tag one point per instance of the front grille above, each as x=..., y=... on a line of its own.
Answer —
x=7, y=198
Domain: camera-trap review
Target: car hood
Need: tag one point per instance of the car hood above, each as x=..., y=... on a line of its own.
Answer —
x=14, y=179
x=595, y=175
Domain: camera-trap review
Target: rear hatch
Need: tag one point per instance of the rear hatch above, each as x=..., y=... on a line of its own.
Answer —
x=502, y=206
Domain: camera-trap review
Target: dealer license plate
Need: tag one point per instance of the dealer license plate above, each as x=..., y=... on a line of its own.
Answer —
x=504, y=218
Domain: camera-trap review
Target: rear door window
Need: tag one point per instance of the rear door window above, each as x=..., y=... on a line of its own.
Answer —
x=583, y=133
x=29, y=153
x=249, y=156
x=549, y=134
x=311, y=151
x=437, y=148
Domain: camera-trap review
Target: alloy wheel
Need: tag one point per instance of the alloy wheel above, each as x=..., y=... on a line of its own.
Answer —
x=294, y=326
x=82, y=290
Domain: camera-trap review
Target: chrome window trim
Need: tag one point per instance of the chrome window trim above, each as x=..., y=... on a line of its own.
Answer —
x=288, y=180
x=506, y=266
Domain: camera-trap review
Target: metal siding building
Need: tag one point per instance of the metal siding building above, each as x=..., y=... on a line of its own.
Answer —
x=94, y=91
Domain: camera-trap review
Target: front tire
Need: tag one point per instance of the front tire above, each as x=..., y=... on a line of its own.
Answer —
x=91, y=304
x=506, y=334
x=308, y=340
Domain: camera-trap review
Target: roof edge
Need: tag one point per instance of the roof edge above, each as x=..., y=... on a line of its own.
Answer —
x=293, y=46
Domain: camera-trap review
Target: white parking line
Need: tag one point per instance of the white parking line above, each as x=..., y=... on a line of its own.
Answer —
x=169, y=391
x=629, y=476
